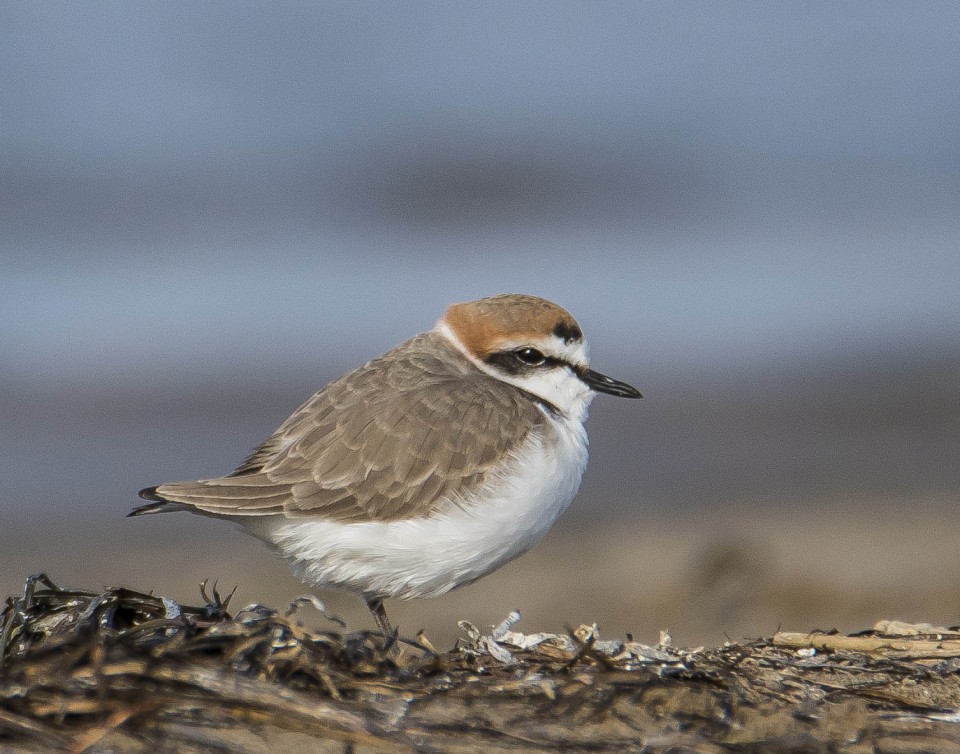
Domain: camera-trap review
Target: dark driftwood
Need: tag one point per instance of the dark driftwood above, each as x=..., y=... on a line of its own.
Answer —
x=130, y=672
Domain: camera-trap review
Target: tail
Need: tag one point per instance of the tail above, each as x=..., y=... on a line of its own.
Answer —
x=157, y=503
x=247, y=495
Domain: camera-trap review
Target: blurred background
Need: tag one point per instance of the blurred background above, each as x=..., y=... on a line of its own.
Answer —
x=208, y=211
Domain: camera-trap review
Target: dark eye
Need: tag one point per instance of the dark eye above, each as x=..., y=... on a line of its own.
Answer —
x=530, y=356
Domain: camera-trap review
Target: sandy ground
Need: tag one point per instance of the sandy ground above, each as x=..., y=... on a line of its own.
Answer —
x=734, y=572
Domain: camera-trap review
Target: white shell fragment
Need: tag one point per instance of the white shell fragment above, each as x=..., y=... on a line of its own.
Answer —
x=503, y=643
x=506, y=624
x=171, y=609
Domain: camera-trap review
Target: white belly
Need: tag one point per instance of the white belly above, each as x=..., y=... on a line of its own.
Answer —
x=429, y=556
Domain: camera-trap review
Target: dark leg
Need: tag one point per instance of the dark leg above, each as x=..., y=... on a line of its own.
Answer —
x=380, y=616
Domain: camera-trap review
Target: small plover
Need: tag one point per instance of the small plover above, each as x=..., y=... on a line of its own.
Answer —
x=429, y=466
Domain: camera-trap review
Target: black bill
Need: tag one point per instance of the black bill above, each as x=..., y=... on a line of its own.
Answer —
x=603, y=384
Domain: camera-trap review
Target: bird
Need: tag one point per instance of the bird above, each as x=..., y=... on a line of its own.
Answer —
x=426, y=468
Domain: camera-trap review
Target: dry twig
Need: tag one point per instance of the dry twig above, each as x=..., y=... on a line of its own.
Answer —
x=123, y=670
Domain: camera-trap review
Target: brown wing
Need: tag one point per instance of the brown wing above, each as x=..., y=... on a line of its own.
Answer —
x=391, y=440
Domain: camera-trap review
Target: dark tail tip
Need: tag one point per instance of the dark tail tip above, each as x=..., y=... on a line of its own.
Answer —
x=155, y=505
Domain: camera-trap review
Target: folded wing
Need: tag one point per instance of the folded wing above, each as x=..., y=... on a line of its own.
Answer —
x=403, y=435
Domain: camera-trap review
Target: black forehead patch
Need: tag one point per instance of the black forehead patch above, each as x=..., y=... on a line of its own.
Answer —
x=567, y=333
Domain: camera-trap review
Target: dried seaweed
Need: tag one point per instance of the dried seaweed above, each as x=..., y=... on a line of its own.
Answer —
x=121, y=670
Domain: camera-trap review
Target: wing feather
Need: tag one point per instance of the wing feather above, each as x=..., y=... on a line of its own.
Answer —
x=397, y=438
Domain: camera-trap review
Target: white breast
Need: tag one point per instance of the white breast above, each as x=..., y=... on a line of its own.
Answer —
x=429, y=556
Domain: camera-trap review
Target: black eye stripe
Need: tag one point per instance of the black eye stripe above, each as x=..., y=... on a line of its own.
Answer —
x=551, y=361
x=511, y=363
